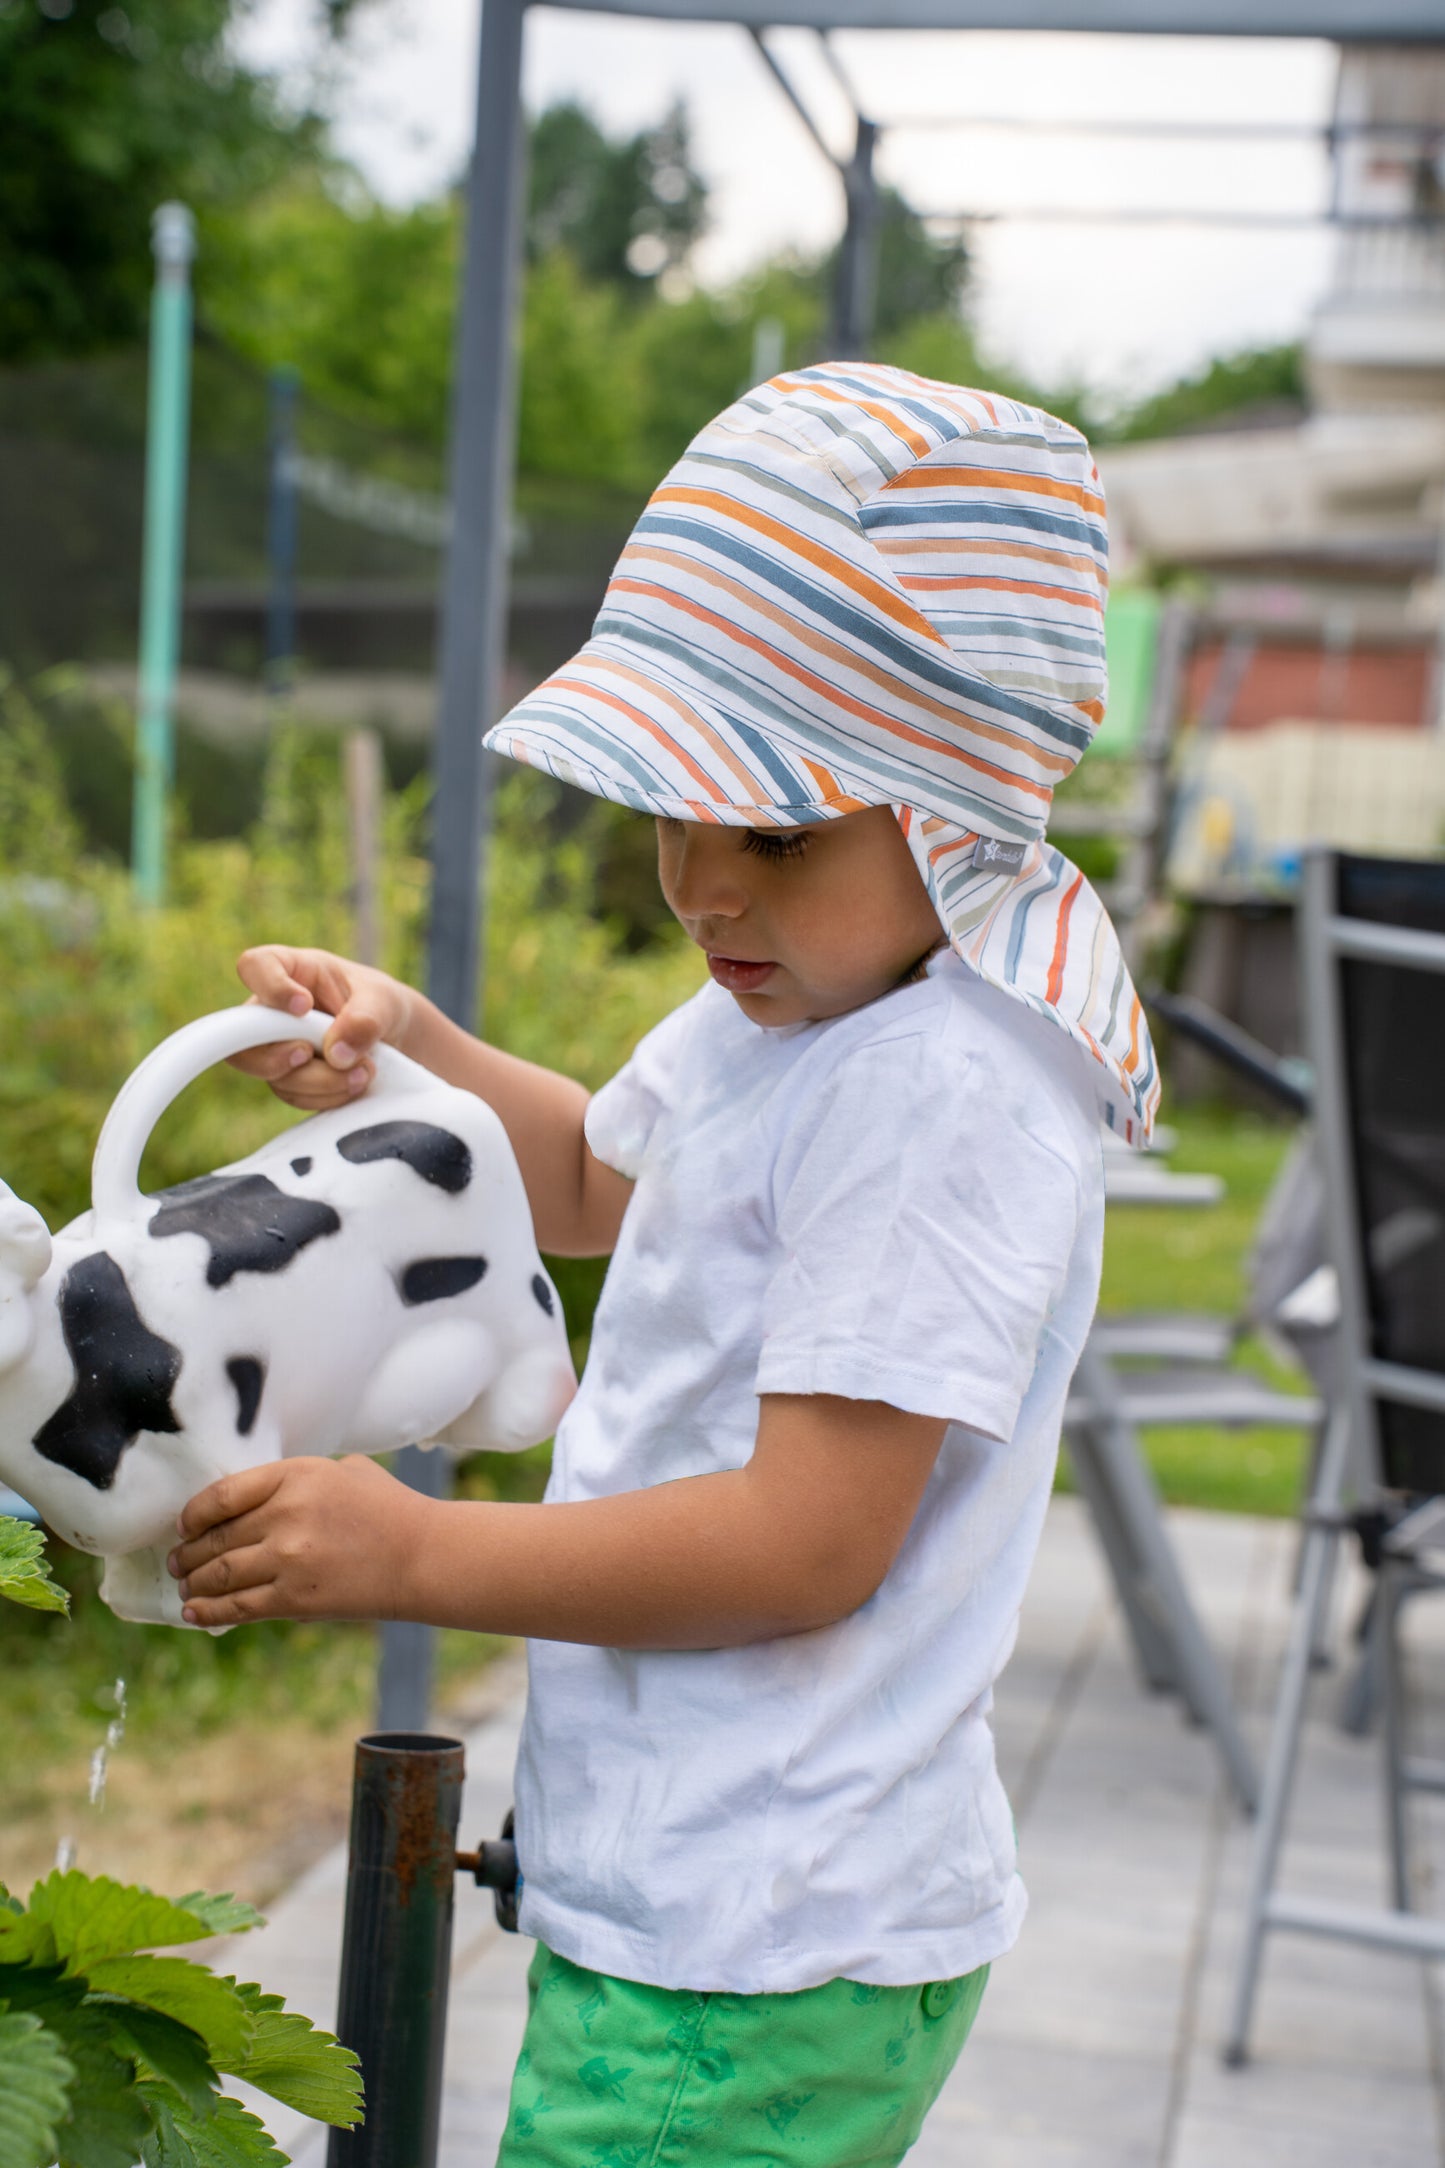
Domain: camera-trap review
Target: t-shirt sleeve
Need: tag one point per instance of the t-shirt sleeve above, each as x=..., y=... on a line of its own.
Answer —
x=620, y=1118
x=925, y=1232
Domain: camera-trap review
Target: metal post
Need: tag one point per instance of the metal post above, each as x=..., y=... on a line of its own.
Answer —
x=856, y=284
x=474, y=587
x=396, y=1945
x=472, y=641
x=173, y=239
x=281, y=535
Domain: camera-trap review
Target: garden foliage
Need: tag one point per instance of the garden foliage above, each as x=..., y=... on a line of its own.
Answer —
x=111, y=2054
x=24, y=1575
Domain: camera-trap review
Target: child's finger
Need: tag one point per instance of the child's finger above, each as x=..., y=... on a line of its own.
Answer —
x=242, y=1533
x=238, y=1609
x=354, y=1033
x=251, y=1567
x=315, y=1088
x=240, y=1492
x=271, y=1063
x=276, y=977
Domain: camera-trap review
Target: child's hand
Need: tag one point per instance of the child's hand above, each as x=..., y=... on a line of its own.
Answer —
x=368, y=1007
x=323, y=1539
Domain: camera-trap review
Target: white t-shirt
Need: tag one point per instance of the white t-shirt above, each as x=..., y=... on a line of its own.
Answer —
x=901, y=1204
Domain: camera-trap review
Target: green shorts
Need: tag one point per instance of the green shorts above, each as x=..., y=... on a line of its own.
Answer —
x=616, y=2075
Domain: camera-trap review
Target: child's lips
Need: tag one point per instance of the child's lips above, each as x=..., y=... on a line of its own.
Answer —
x=736, y=975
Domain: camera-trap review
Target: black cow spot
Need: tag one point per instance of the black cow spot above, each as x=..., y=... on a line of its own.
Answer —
x=435, y=1154
x=432, y=1279
x=124, y=1374
x=301, y=1166
x=544, y=1295
x=250, y=1224
x=248, y=1376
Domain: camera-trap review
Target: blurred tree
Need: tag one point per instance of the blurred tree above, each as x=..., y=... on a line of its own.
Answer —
x=105, y=111
x=1267, y=379
x=356, y=296
x=625, y=209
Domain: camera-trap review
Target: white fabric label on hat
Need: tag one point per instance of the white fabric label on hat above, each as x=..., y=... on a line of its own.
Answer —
x=999, y=857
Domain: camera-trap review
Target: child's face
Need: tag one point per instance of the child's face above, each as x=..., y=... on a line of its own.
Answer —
x=800, y=923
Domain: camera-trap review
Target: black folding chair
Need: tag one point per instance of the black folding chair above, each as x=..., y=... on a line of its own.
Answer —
x=1373, y=955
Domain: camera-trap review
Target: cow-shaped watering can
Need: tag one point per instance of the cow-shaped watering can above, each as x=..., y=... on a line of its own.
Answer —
x=367, y=1280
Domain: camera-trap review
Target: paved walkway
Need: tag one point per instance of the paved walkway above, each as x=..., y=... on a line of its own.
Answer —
x=1097, y=2046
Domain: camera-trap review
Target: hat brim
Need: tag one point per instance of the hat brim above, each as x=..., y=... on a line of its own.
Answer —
x=614, y=723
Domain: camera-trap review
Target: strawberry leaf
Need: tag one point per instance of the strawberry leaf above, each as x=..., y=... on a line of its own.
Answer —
x=298, y=2064
x=35, y=2082
x=24, y=1576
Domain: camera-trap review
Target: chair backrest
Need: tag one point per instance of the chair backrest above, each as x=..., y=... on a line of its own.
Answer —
x=1373, y=945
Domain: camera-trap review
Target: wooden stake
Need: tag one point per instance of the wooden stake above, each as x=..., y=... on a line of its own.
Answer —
x=363, y=806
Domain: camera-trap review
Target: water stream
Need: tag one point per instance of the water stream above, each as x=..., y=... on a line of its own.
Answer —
x=67, y=1848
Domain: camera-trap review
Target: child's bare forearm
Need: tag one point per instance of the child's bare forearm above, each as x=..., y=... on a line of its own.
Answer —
x=577, y=1203
x=686, y=1565
x=797, y=1538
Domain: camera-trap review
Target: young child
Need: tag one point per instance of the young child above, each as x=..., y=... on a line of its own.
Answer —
x=853, y=1194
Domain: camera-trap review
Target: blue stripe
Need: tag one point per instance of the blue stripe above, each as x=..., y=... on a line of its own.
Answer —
x=870, y=633
x=1092, y=535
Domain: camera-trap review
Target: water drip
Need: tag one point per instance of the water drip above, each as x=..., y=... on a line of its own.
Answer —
x=100, y=1759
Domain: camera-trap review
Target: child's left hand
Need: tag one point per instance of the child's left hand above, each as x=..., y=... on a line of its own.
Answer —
x=315, y=1539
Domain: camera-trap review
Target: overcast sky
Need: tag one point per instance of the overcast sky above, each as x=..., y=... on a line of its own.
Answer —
x=1122, y=307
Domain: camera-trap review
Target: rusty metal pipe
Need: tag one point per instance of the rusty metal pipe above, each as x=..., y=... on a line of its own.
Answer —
x=396, y=1945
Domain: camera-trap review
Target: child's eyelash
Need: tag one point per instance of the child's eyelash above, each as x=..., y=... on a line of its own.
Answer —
x=767, y=845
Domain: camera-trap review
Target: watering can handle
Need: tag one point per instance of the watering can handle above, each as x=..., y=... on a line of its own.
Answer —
x=178, y=1061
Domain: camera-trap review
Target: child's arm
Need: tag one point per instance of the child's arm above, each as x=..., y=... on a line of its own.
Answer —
x=577, y=1202
x=796, y=1539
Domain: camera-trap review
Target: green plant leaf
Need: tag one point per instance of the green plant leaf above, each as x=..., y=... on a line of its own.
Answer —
x=186, y=1992
x=225, y=1915
x=34, y=2090
x=92, y=1916
x=24, y=1576
x=298, y=2064
x=106, y=2121
x=230, y=2137
x=171, y=2050
x=25, y=1940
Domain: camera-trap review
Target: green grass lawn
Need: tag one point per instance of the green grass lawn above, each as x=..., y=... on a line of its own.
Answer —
x=1195, y=1259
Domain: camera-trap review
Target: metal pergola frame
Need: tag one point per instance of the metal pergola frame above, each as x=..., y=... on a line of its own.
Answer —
x=474, y=578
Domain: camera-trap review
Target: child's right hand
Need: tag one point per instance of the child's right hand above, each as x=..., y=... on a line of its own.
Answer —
x=369, y=1008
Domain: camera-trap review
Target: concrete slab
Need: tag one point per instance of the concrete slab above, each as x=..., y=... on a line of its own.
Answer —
x=1098, y=2042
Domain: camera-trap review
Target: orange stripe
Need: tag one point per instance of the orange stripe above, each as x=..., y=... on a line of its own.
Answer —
x=946, y=582
x=686, y=713
x=1061, y=942
x=831, y=650
x=832, y=789
x=893, y=545
x=918, y=445
x=839, y=698
x=635, y=715
x=1024, y=485
x=837, y=568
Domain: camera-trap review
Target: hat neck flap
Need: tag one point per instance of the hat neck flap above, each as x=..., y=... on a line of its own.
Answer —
x=1033, y=927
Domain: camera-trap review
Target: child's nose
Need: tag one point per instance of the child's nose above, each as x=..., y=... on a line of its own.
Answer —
x=705, y=875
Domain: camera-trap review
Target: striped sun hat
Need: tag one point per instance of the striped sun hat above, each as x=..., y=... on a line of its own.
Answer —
x=857, y=588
